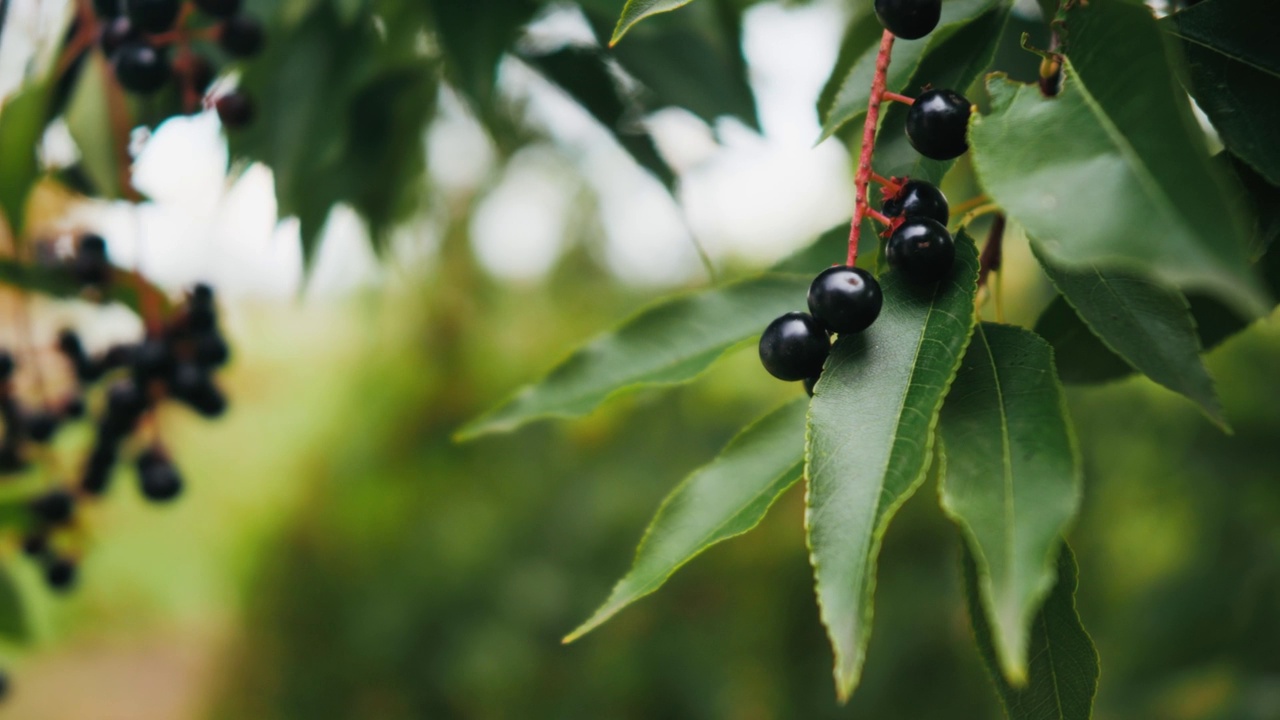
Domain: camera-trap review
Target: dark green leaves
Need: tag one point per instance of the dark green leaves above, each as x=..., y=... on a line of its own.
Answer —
x=89, y=122
x=1235, y=74
x=1099, y=178
x=636, y=10
x=1147, y=325
x=726, y=498
x=21, y=126
x=870, y=433
x=15, y=625
x=1011, y=479
x=1063, y=671
x=474, y=36
x=670, y=342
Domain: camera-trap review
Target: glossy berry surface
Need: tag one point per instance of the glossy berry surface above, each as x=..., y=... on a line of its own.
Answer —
x=116, y=33
x=158, y=478
x=921, y=249
x=937, y=122
x=918, y=198
x=141, y=68
x=845, y=299
x=152, y=16
x=794, y=347
x=235, y=110
x=219, y=8
x=909, y=19
x=242, y=37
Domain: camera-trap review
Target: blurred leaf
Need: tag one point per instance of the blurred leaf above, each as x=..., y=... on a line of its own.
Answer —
x=829, y=249
x=1235, y=74
x=15, y=625
x=1060, y=167
x=668, y=343
x=721, y=500
x=88, y=121
x=1081, y=357
x=862, y=32
x=692, y=60
x=21, y=128
x=855, y=91
x=126, y=287
x=1146, y=324
x=1012, y=478
x=474, y=36
x=870, y=434
x=954, y=63
x=1063, y=674
x=1264, y=199
x=636, y=10
x=584, y=74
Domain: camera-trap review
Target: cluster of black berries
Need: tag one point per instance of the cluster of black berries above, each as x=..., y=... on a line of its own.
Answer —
x=133, y=34
x=175, y=361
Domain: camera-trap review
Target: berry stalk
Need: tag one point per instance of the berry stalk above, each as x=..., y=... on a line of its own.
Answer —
x=863, y=178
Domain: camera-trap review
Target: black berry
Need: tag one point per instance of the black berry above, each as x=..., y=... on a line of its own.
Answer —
x=242, y=36
x=235, y=109
x=6, y=365
x=54, y=507
x=191, y=384
x=201, y=74
x=125, y=405
x=909, y=19
x=921, y=249
x=60, y=573
x=158, y=478
x=35, y=545
x=845, y=299
x=794, y=347
x=107, y=8
x=73, y=408
x=97, y=470
x=219, y=8
x=153, y=16
x=116, y=33
x=937, y=122
x=153, y=359
x=11, y=461
x=211, y=350
x=40, y=425
x=141, y=68
x=918, y=198
x=91, y=266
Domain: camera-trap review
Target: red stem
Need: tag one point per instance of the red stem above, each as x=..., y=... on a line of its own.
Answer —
x=892, y=186
x=879, y=216
x=899, y=98
x=868, y=144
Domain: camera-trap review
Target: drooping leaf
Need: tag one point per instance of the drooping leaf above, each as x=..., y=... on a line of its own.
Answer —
x=670, y=342
x=22, y=119
x=1081, y=357
x=954, y=63
x=1012, y=478
x=1148, y=325
x=88, y=121
x=855, y=91
x=474, y=36
x=723, y=499
x=15, y=625
x=584, y=74
x=870, y=435
x=636, y=10
x=1062, y=677
x=1235, y=74
x=1098, y=178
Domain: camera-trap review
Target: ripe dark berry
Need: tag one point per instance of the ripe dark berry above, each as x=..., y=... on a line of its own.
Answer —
x=35, y=545
x=91, y=266
x=235, y=109
x=153, y=16
x=809, y=384
x=6, y=365
x=921, y=249
x=794, y=347
x=211, y=350
x=918, y=198
x=116, y=33
x=845, y=299
x=60, y=573
x=219, y=8
x=937, y=122
x=152, y=360
x=108, y=8
x=54, y=507
x=97, y=469
x=73, y=408
x=909, y=19
x=242, y=36
x=11, y=460
x=125, y=405
x=158, y=478
x=40, y=425
x=141, y=68
x=191, y=384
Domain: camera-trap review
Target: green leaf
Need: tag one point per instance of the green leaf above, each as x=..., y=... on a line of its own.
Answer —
x=127, y=287
x=1235, y=74
x=474, y=36
x=1081, y=357
x=721, y=500
x=862, y=32
x=584, y=74
x=954, y=63
x=1148, y=325
x=88, y=121
x=870, y=435
x=1012, y=478
x=855, y=91
x=636, y=10
x=668, y=343
x=15, y=625
x=21, y=128
x=1063, y=675
x=1099, y=178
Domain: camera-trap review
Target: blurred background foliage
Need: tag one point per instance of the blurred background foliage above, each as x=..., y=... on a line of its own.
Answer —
x=339, y=557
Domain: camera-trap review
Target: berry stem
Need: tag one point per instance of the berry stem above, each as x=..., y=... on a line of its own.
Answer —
x=993, y=251
x=895, y=97
x=976, y=213
x=879, y=216
x=889, y=184
x=970, y=204
x=868, y=144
